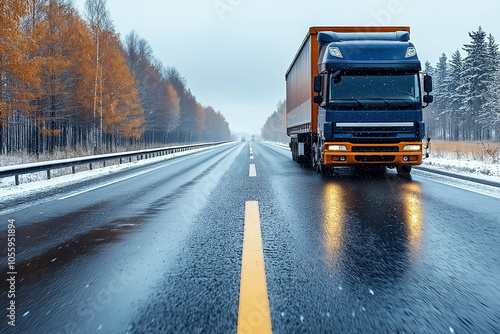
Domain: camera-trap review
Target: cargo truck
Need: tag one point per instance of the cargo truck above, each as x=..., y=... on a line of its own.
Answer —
x=354, y=98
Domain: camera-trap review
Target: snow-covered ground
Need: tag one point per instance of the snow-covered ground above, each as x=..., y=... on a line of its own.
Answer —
x=38, y=181
x=485, y=170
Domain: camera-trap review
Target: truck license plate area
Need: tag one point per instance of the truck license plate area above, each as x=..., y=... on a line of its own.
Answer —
x=375, y=158
x=370, y=149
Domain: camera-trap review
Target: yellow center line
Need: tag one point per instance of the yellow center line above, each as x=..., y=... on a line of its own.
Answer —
x=254, y=314
x=253, y=171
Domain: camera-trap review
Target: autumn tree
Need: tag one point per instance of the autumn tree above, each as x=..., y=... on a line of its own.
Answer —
x=119, y=104
x=173, y=108
x=117, y=109
x=18, y=65
x=62, y=43
x=158, y=97
x=190, y=111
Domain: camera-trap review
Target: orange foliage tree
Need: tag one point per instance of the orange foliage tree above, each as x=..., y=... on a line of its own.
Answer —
x=62, y=41
x=18, y=66
x=122, y=111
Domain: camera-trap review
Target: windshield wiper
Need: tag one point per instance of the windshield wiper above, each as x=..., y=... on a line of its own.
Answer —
x=349, y=100
x=408, y=103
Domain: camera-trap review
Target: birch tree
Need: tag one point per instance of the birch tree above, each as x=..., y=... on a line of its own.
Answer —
x=99, y=20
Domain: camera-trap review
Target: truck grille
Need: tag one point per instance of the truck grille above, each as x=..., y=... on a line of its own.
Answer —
x=375, y=133
x=375, y=149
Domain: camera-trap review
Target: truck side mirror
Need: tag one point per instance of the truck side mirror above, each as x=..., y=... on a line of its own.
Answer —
x=317, y=84
x=318, y=99
x=427, y=83
x=428, y=99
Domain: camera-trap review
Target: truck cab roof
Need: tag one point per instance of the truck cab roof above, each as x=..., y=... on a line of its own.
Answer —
x=367, y=51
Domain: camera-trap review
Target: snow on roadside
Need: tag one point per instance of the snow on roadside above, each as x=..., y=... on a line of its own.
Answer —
x=11, y=191
x=476, y=169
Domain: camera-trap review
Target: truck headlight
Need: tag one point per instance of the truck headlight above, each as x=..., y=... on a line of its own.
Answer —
x=335, y=52
x=411, y=52
x=412, y=148
x=337, y=148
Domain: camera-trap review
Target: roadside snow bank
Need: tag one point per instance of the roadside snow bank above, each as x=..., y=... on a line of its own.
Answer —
x=477, y=169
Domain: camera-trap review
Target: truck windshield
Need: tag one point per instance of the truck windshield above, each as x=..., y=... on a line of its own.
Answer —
x=401, y=91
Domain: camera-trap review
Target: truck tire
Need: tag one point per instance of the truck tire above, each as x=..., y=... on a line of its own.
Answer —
x=404, y=170
x=315, y=158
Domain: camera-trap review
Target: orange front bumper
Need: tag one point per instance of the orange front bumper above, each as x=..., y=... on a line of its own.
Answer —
x=386, y=154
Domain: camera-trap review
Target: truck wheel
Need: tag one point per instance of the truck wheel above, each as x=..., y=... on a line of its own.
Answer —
x=317, y=165
x=404, y=170
x=327, y=170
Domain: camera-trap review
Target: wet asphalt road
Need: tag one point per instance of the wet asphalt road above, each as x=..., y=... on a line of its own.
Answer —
x=160, y=252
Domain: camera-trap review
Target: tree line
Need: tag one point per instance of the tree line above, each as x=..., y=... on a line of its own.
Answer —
x=466, y=92
x=275, y=127
x=68, y=81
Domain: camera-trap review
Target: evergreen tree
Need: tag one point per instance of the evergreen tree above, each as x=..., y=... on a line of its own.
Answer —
x=431, y=114
x=493, y=96
x=476, y=75
x=455, y=96
x=428, y=68
x=441, y=94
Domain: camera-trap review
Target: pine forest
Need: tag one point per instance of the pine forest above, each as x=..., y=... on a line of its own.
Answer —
x=466, y=92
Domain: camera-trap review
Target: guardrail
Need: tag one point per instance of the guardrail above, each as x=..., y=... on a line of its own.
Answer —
x=51, y=165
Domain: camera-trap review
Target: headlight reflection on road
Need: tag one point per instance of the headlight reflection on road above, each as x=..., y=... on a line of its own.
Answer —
x=412, y=203
x=334, y=210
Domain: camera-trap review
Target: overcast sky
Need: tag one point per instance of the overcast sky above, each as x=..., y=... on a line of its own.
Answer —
x=234, y=53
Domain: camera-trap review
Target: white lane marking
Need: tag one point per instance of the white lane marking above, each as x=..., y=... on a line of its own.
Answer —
x=477, y=188
x=120, y=180
x=253, y=171
x=251, y=157
x=134, y=175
